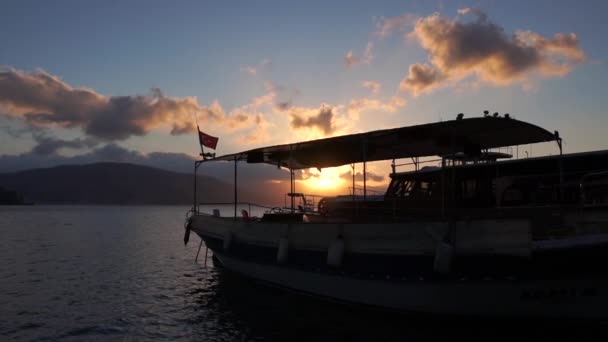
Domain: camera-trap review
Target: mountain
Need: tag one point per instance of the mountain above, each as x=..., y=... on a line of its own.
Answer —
x=116, y=183
x=10, y=197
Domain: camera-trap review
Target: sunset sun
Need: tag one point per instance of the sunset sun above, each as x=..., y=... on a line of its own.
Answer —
x=327, y=180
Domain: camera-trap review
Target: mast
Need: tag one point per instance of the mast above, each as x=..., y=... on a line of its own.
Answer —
x=235, y=192
x=365, y=169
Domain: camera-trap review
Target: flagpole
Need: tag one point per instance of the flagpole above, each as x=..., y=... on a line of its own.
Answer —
x=198, y=130
x=198, y=134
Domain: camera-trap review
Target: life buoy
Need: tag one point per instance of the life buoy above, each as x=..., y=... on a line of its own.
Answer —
x=187, y=232
x=283, y=250
x=323, y=206
x=444, y=254
x=227, y=240
x=335, y=252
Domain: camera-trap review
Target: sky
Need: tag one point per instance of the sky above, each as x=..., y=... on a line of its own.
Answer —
x=84, y=81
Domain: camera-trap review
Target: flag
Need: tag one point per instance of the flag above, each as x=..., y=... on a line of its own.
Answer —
x=207, y=140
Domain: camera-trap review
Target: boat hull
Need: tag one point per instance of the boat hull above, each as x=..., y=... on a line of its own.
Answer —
x=396, y=270
x=575, y=298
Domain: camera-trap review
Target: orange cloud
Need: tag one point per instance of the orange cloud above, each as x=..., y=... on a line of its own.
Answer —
x=422, y=78
x=357, y=106
x=259, y=133
x=370, y=176
x=321, y=119
x=351, y=60
x=253, y=70
x=44, y=100
x=265, y=99
x=371, y=85
x=386, y=26
x=482, y=49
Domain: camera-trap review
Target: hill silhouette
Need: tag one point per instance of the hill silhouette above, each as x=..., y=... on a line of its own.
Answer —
x=116, y=183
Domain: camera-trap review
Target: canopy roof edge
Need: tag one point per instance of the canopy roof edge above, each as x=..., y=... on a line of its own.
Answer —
x=470, y=136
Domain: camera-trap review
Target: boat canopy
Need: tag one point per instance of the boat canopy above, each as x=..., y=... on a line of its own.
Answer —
x=470, y=136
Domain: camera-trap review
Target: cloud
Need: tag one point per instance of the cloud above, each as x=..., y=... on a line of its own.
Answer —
x=280, y=96
x=47, y=145
x=371, y=85
x=305, y=174
x=183, y=128
x=321, y=118
x=283, y=106
x=38, y=158
x=483, y=50
x=274, y=181
x=422, y=78
x=42, y=100
x=16, y=132
x=253, y=70
x=351, y=60
x=265, y=99
x=474, y=11
x=258, y=134
x=386, y=26
x=250, y=70
x=348, y=175
x=561, y=44
x=253, y=174
x=357, y=106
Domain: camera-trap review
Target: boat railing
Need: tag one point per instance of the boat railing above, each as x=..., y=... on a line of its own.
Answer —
x=416, y=163
x=305, y=202
x=593, y=188
x=231, y=209
x=505, y=149
x=359, y=192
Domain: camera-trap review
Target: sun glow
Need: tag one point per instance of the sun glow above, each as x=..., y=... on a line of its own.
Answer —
x=326, y=180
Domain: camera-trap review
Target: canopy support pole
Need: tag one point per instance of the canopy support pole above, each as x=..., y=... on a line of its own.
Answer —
x=364, y=181
x=195, y=204
x=206, y=253
x=561, y=167
x=365, y=169
x=235, y=192
x=198, y=251
x=195, y=199
x=443, y=187
x=353, y=167
x=414, y=161
x=292, y=186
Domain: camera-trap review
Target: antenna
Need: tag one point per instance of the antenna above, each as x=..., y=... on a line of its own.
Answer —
x=195, y=114
x=198, y=130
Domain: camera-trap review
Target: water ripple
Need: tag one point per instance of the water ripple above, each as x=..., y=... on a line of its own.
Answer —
x=122, y=273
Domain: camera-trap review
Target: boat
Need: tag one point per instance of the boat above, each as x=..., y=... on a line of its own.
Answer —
x=463, y=228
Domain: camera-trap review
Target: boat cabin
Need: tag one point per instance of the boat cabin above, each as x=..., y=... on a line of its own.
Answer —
x=468, y=177
x=511, y=183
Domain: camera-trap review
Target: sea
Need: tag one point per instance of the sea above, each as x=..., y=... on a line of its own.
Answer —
x=122, y=273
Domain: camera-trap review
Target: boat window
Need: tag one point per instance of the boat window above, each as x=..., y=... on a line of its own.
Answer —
x=469, y=189
x=406, y=189
x=400, y=188
x=512, y=195
x=426, y=189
